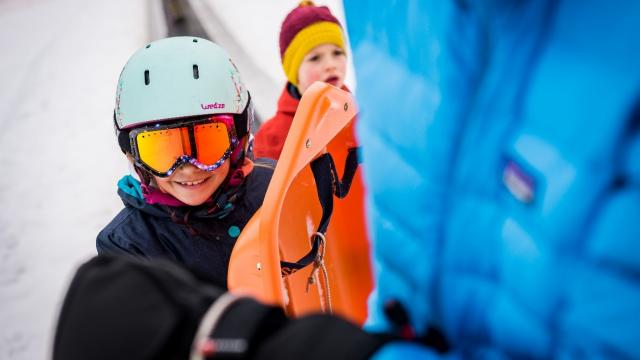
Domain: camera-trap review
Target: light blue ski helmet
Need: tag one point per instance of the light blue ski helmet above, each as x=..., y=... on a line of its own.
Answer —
x=176, y=78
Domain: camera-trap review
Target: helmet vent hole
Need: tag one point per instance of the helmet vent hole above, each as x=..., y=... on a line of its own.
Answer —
x=146, y=77
x=196, y=72
x=148, y=46
x=195, y=40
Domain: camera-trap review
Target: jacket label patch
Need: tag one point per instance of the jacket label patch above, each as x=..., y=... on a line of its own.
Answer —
x=520, y=184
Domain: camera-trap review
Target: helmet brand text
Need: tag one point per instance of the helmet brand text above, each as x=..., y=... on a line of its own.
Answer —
x=215, y=105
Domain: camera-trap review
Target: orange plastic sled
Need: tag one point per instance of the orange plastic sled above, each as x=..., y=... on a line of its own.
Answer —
x=283, y=229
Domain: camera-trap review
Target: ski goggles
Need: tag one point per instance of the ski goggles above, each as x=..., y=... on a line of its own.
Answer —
x=205, y=143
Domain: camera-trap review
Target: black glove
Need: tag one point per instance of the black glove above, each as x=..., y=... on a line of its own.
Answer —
x=128, y=308
x=244, y=328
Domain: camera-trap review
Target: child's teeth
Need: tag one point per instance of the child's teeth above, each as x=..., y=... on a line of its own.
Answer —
x=191, y=183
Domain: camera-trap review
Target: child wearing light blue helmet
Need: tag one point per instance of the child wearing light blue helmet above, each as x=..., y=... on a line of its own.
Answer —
x=183, y=118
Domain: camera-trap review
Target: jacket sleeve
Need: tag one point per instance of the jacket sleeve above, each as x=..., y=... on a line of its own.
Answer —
x=111, y=241
x=112, y=244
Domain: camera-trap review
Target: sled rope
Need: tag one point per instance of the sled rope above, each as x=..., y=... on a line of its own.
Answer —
x=318, y=263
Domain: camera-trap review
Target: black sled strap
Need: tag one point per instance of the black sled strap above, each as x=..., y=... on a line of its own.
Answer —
x=327, y=184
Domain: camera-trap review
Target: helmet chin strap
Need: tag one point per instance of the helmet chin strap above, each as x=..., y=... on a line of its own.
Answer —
x=145, y=177
x=220, y=196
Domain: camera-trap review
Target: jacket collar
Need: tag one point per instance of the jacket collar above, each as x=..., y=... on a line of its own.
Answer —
x=287, y=104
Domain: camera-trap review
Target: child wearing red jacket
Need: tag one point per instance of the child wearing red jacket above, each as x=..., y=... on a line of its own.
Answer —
x=312, y=48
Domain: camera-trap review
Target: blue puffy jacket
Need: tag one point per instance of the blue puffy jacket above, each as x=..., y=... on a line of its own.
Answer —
x=512, y=221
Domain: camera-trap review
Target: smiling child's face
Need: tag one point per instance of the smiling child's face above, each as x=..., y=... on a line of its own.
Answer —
x=191, y=185
x=326, y=62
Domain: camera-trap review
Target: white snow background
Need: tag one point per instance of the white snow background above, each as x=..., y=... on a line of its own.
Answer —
x=59, y=159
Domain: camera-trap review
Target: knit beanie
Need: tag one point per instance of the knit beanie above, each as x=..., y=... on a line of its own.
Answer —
x=304, y=28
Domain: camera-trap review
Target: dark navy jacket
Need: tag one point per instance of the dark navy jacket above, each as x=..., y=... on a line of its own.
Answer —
x=203, y=243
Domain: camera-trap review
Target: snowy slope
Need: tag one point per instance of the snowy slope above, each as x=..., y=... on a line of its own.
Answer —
x=59, y=66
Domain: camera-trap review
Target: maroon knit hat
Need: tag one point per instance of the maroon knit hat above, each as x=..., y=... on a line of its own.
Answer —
x=302, y=16
x=304, y=28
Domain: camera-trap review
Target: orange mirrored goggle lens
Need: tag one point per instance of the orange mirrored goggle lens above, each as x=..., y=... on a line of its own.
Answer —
x=161, y=149
x=212, y=141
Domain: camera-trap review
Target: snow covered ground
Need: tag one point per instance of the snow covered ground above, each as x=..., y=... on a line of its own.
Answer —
x=59, y=158
x=59, y=66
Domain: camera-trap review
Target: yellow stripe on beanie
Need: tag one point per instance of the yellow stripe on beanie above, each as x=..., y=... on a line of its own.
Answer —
x=323, y=32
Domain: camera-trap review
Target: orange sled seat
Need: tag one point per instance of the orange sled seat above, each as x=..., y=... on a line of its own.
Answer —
x=307, y=248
